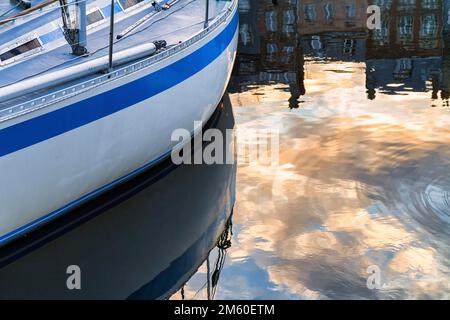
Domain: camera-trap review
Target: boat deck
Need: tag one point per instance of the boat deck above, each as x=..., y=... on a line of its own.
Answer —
x=184, y=19
x=9, y=8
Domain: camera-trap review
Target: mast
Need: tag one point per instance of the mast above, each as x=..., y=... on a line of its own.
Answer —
x=74, y=24
x=207, y=14
x=111, y=36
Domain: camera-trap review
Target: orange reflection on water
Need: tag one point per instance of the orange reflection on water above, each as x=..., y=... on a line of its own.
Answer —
x=361, y=182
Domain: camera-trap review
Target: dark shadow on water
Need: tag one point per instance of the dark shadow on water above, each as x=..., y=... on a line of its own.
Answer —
x=142, y=240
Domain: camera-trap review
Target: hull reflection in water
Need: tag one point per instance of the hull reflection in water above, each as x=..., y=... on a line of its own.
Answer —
x=143, y=240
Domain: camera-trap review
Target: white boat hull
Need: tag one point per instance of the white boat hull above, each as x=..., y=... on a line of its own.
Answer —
x=42, y=181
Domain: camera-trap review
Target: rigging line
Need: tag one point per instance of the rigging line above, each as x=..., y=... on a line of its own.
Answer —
x=131, y=34
x=117, y=41
x=198, y=291
x=125, y=37
x=43, y=11
x=101, y=36
x=218, y=266
x=158, y=20
x=146, y=18
x=12, y=9
x=40, y=12
x=94, y=52
x=220, y=262
x=208, y=278
x=223, y=244
x=190, y=2
x=106, y=46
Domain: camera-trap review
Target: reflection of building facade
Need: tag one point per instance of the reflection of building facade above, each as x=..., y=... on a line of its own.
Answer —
x=348, y=46
x=247, y=61
x=408, y=28
x=318, y=16
x=405, y=55
x=281, y=53
x=248, y=56
x=280, y=58
x=334, y=29
x=279, y=37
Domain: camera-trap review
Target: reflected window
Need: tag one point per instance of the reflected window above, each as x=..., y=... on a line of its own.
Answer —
x=403, y=69
x=448, y=17
x=382, y=34
x=430, y=4
x=405, y=25
x=271, y=21
x=272, y=50
x=244, y=6
x=288, y=29
x=429, y=25
x=316, y=43
x=310, y=13
x=384, y=4
x=289, y=17
x=329, y=11
x=350, y=10
x=245, y=35
x=349, y=47
x=288, y=54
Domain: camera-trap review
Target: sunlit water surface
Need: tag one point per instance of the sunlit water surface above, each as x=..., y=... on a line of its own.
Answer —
x=362, y=184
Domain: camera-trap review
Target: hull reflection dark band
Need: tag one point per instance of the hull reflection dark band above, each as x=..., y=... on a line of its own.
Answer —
x=142, y=240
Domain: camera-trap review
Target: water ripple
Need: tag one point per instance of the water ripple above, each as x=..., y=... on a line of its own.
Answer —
x=427, y=202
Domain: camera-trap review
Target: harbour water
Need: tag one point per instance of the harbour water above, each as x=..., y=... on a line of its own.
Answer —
x=364, y=177
x=362, y=184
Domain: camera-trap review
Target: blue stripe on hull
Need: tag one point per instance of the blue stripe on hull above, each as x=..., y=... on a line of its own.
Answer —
x=52, y=124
